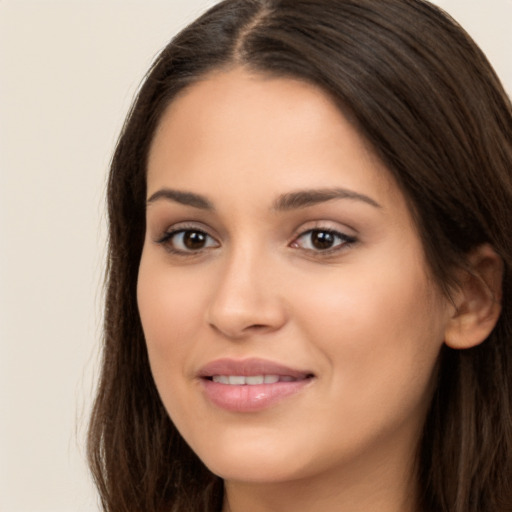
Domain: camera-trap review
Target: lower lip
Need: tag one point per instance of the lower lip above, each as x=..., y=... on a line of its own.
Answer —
x=251, y=398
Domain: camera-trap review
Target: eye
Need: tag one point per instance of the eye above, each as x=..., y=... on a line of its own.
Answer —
x=186, y=241
x=322, y=240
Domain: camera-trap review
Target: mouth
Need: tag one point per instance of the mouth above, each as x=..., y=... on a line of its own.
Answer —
x=251, y=385
x=251, y=380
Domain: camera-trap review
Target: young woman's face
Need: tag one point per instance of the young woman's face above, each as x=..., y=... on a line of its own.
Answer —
x=291, y=323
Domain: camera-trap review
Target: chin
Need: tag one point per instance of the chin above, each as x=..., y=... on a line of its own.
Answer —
x=262, y=461
x=242, y=458
x=255, y=471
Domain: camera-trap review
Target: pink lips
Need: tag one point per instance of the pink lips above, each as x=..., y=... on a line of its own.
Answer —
x=235, y=385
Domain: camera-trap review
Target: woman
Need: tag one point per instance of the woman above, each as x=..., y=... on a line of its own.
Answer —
x=308, y=294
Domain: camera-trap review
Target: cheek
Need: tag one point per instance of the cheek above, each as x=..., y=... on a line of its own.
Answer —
x=377, y=303
x=170, y=307
x=379, y=331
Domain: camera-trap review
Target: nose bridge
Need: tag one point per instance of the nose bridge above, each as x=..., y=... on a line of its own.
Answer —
x=246, y=299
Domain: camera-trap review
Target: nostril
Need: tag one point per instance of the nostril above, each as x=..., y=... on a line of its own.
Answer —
x=239, y=317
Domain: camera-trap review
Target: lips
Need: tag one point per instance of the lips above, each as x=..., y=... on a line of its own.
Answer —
x=250, y=385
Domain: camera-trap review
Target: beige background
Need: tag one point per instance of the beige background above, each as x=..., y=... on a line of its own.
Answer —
x=68, y=71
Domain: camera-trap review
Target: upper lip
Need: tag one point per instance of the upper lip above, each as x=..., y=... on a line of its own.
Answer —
x=247, y=367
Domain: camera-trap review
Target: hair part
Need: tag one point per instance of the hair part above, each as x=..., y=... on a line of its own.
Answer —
x=435, y=113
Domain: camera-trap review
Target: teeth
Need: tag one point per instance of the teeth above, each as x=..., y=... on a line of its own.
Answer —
x=255, y=379
x=240, y=380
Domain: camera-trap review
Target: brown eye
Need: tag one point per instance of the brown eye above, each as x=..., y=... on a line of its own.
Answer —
x=188, y=241
x=194, y=240
x=322, y=240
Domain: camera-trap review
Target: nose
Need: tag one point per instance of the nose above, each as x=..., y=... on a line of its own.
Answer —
x=246, y=299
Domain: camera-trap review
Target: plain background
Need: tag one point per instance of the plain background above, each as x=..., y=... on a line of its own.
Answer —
x=68, y=72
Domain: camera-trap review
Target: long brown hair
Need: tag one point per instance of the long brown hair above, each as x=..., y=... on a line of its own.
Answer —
x=427, y=100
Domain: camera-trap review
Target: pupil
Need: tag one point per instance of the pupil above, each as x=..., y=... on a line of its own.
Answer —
x=323, y=239
x=194, y=239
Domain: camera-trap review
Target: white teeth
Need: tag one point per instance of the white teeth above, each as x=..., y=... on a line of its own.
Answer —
x=240, y=380
x=255, y=379
x=236, y=380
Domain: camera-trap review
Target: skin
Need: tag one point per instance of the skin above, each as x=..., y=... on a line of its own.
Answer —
x=364, y=317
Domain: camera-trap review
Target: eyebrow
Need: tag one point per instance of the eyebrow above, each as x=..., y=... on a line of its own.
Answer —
x=285, y=202
x=186, y=198
x=305, y=198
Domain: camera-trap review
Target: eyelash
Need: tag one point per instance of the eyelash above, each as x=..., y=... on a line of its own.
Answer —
x=167, y=240
x=342, y=241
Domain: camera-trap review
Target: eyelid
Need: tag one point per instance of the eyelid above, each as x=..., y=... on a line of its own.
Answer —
x=165, y=239
x=184, y=226
x=346, y=239
x=325, y=225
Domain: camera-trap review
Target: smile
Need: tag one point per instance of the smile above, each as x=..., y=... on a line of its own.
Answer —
x=250, y=385
x=251, y=380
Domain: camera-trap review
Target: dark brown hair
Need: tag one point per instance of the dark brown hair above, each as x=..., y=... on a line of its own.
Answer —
x=428, y=102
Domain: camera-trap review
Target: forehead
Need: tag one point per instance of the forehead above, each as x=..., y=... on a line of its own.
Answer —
x=253, y=131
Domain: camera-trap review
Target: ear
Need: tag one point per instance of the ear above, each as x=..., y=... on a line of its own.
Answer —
x=477, y=299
